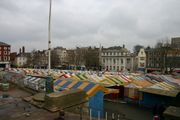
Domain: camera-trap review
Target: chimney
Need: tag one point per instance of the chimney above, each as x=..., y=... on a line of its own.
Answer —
x=23, y=49
x=19, y=50
x=123, y=46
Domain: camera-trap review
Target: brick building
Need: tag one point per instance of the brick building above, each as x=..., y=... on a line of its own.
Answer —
x=5, y=50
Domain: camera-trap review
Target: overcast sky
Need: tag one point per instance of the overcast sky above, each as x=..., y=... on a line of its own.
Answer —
x=88, y=22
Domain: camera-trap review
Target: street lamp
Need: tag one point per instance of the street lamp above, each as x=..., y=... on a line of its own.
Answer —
x=49, y=39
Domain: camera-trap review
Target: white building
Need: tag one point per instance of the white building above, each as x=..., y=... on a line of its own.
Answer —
x=21, y=60
x=141, y=60
x=116, y=59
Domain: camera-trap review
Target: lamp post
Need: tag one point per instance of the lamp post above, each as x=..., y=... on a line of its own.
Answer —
x=49, y=39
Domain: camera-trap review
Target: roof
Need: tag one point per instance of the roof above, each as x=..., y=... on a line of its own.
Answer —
x=89, y=87
x=173, y=112
x=171, y=93
x=142, y=83
x=24, y=54
x=115, y=48
x=5, y=44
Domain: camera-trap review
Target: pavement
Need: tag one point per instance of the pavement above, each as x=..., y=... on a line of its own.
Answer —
x=130, y=111
x=14, y=108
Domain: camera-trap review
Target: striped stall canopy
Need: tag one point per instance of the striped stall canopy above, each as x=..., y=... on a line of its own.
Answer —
x=89, y=87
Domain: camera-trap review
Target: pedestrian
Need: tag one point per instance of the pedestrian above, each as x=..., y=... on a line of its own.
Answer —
x=161, y=110
x=154, y=109
x=156, y=117
x=155, y=112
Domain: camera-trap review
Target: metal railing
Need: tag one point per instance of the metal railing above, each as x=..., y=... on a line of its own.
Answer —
x=87, y=113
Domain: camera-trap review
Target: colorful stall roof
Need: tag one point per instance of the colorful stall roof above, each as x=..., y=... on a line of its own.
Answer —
x=89, y=87
x=108, y=78
x=172, y=93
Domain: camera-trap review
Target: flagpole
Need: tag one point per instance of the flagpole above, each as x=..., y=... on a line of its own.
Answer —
x=49, y=39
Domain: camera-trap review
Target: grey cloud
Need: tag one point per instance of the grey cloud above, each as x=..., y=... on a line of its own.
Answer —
x=88, y=22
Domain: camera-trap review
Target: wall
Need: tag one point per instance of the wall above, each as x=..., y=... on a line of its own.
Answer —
x=150, y=100
x=96, y=103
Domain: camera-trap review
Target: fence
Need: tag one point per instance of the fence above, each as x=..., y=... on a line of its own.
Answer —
x=86, y=113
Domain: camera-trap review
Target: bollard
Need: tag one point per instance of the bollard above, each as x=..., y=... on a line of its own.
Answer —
x=90, y=114
x=106, y=116
x=99, y=115
x=118, y=117
x=113, y=116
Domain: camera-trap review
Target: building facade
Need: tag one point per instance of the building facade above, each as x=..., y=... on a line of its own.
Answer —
x=154, y=59
x=60, y=55
x=175, y=42
x=116, y=59
x=23, y=58
x=13, y=59
x=5, y=51
x=163, y=59
x=40, y=59
x=140, y=61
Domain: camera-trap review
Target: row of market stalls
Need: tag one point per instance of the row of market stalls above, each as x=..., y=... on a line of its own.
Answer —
x=143, y=89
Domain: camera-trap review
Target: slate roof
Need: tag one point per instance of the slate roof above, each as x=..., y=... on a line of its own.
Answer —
x=4, y=44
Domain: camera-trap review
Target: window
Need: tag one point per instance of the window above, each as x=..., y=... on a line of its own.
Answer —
x=107, y=59
x=110, y=67
x=113, y=67
x=114, y=53
x=141, y=58
x=107, y=68
x=5, y=58
x=121, y=61
x=114, y=61
x=107, y=53
x=5, y=52
x=110, y=53
x=110, y=59
x=118, y=68
x=122, y=67
x=103, y=60
x=128, y=60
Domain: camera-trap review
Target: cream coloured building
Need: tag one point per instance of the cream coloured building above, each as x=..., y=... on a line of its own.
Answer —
x=116, y=59
x=141, y=60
